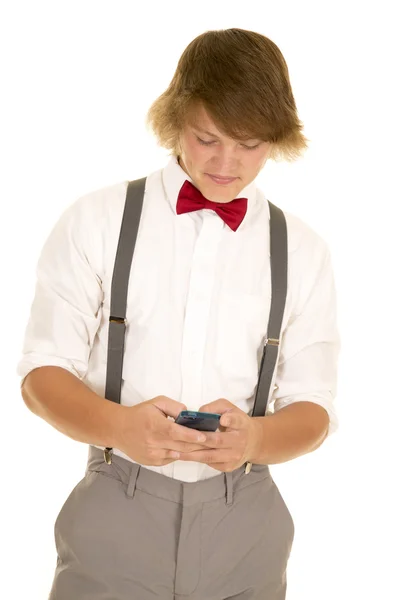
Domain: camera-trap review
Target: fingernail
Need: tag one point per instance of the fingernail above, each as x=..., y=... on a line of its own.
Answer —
x=201, y=438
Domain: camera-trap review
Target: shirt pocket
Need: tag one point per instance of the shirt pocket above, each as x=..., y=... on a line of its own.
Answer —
x=241, y=327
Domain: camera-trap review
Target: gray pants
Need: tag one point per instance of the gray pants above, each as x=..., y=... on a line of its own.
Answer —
x=128, y=533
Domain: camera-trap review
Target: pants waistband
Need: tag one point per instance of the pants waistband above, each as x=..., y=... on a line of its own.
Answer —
x=134, y=476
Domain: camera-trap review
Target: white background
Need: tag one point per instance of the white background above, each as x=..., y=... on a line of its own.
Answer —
x=77, y=79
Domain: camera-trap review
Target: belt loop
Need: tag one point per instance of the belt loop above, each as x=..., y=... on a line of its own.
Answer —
x=229, y=488
x=130, y=490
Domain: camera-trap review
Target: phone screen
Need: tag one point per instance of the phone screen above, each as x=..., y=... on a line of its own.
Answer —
x=198, y=420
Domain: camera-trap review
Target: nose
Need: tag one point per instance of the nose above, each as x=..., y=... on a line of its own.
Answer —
x=225, y=161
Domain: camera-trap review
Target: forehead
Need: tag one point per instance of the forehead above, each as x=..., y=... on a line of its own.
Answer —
x=199, y=118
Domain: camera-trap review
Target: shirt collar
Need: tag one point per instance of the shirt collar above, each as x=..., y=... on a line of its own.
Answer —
x=174, y=176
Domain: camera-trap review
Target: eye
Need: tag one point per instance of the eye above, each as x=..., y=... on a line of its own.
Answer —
x=203, y=142
x=251, y=147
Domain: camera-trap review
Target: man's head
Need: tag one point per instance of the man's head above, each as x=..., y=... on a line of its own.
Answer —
x=205, y=152
x=233, y=84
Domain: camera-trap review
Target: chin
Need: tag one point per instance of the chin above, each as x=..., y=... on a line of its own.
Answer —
x=212, y=192
x=218, y=197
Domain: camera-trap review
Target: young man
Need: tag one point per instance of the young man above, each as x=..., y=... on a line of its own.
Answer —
x=171, y=514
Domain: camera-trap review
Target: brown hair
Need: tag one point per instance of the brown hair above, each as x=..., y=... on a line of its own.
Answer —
x=242, y=80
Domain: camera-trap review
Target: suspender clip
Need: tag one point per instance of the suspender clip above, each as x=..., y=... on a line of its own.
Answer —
x=271, y=342
x=118, y=320
x=108, y=455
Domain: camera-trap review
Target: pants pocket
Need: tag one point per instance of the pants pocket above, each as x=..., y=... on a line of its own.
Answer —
x=285, y=517
x=66, y=522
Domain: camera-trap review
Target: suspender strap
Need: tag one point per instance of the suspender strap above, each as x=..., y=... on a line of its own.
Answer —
x=119, y=292
x=279, y=269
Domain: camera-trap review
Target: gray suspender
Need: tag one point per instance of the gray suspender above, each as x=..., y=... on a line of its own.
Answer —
x=119, y=291
x=119, y=287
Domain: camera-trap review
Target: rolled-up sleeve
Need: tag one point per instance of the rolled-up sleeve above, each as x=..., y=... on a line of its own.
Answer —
x=65, y=312
x=308, y=362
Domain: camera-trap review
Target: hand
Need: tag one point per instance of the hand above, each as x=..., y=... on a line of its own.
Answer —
x=235, y=443
x=145, y=434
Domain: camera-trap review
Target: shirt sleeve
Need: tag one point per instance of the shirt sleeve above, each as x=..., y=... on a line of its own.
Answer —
x=310, y=345
x=65, y=312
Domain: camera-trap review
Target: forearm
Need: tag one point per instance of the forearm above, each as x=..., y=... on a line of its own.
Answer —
x=296, y=429
x=66, y=403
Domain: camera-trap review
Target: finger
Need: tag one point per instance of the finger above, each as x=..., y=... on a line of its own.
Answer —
x=222, y=439
x=172, y=454
x=233, y=419
x=209, y=456
x=183, y=446
x=168, y=406
x=177, y=449
x=180, y=433
x=217, y=406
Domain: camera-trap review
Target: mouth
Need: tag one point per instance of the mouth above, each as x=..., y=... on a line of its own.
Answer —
x=221, y=180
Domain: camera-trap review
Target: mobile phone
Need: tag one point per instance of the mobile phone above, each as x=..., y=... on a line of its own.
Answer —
x=198, y=420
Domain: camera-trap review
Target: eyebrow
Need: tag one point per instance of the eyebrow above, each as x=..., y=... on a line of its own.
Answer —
x=204, y=131
x=215, y=136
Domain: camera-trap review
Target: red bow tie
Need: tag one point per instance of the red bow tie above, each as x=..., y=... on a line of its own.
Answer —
x=190, y=199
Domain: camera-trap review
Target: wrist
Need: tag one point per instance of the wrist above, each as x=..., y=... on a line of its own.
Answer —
x=258, y=438
x=118, y=421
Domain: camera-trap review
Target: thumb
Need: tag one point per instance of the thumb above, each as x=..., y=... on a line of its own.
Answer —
x=228, y=418
x=220, y=406
x=168, y=406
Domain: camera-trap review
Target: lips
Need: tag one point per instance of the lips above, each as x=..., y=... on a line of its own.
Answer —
x=221, y=180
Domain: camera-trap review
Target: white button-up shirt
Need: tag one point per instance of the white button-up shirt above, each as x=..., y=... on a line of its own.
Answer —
x=198, y=305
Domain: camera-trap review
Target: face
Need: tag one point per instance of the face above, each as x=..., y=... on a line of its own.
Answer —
x=206, y=153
